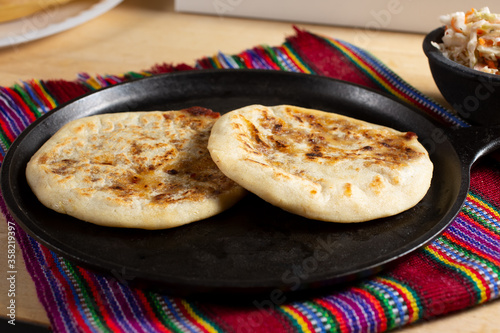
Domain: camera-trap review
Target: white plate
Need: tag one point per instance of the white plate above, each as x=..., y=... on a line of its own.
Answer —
x=52, y=20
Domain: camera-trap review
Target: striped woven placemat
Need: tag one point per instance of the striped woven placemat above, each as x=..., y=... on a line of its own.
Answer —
x=458, y=270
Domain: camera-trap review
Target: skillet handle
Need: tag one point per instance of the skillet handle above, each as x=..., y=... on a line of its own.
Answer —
x=474, y=142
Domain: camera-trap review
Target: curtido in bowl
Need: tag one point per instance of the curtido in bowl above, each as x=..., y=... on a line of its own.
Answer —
x=464, y=57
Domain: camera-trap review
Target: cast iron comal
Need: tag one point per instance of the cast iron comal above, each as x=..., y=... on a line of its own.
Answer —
x=252, y=247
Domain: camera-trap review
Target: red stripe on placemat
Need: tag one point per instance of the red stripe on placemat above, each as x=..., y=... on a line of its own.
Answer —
x=64, y=91
x=437, y=287
x=27, y=111
x=254, y=318
x=482, y=176
x=167, y=68
x=326, y=60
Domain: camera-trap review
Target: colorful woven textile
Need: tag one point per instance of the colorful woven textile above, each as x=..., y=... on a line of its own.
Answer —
x=459, y=270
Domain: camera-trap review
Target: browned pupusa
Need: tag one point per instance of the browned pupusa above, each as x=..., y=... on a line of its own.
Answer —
x=321, y=165
x=146, y=170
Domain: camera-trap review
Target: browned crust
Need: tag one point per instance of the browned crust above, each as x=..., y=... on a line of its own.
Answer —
x=184, y=172
x=326, y=139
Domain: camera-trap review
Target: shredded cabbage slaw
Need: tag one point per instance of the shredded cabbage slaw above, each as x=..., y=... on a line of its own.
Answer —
x=472, y=39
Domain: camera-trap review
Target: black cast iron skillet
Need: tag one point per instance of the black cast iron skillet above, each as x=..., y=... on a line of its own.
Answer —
x=252, y=247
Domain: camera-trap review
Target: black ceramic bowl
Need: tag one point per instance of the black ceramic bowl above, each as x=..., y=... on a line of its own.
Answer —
x=473, y=94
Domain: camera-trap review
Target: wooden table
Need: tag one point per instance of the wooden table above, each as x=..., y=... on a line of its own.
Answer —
x=138, y=34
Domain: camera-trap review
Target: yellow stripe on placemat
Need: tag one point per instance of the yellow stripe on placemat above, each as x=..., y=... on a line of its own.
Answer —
x=362, y=65
x=464, y=270
x=206, y=325
x=296, y=60
x=297, y=317
x=46, y=95
x=409, y=295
